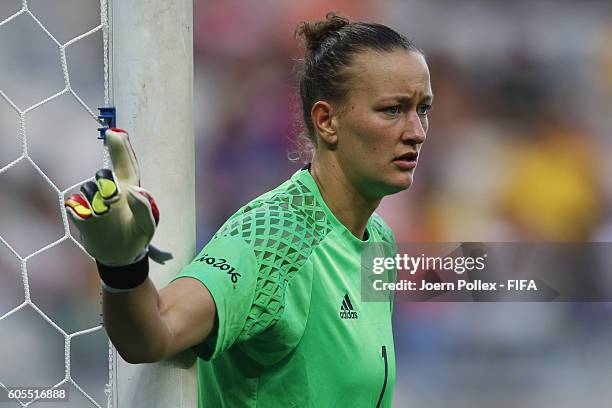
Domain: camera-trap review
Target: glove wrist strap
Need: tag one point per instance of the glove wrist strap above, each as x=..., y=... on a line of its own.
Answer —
x=118, y=279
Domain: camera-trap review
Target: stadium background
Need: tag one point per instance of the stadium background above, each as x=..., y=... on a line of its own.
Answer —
x=518, y=150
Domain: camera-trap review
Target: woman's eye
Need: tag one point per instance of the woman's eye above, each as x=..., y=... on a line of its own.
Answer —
x=393, y=110
x=423, y=109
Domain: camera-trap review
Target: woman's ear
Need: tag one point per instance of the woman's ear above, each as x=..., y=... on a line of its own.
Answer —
x=322, y=115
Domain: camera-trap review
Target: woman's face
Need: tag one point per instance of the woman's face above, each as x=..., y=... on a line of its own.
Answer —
x=383, y=122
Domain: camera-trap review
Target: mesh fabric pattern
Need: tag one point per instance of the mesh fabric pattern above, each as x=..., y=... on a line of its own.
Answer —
x=282, y=228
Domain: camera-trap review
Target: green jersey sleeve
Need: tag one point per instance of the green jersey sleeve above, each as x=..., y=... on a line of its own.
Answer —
x=249, y=268
x=228, y=269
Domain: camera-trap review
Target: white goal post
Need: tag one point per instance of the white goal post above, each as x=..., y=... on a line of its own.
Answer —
x=151, y=87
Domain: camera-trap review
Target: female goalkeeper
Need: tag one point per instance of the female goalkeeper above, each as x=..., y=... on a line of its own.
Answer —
x=272, y=304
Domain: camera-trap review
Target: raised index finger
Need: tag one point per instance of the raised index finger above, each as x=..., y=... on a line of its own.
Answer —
x=123, y=157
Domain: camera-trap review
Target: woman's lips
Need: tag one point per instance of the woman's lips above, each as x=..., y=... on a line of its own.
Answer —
x=405, y=164
x=406, y=161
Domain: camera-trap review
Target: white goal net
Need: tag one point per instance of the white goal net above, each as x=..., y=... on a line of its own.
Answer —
x=56, y=69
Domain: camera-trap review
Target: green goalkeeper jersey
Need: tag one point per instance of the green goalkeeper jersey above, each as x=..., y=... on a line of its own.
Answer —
x=292, y=331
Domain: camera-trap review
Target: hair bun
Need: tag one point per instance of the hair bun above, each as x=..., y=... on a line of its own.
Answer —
x=314, y=34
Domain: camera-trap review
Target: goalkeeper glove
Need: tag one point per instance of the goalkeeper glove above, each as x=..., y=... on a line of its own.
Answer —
x=116, y=218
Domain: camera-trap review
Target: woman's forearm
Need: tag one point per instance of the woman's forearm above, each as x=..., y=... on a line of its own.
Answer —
x=134, y=323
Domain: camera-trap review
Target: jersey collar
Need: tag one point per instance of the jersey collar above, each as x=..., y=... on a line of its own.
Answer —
x=303, y=175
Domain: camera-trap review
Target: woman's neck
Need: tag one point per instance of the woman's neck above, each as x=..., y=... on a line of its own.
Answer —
x=350, y=207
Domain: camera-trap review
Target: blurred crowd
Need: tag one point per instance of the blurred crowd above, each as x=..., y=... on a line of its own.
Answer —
x=518, y=150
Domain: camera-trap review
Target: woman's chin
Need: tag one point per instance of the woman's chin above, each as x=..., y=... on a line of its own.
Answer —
x=399, y=184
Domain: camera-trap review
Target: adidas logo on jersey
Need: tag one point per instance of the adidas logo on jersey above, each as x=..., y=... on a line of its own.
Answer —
x=346, y=309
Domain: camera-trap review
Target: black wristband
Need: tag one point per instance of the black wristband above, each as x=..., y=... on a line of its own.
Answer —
x=124, y=277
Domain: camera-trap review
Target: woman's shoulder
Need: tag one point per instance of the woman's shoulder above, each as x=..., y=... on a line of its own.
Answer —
x=287, y=210
x=280, y=228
